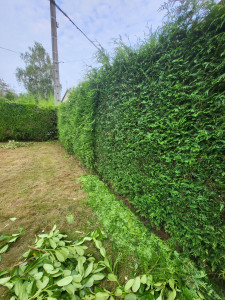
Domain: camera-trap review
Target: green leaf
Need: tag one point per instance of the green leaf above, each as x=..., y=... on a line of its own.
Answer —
x=52, y=243
x=4, y=236
x=112, y=277
x=3, y=272
x=22, y=292
x=118, y=292
x=90, y=282
x=38, y=275
x=17, y=287
x=101, y=296
x=66, y=273
x=13, y=239
x=70, y=289
x=98, y=244
x=136, y=285
x=41, y=284
x=89, y=269
x=72, y=250
x=102, y=251
x=77, y=278
x=77, y=285
x=81, y=260
x=4, y=248
x=4, y=280
x=9, y=285
x=106, y=262
x=48, y=268
x=172, y=295
x=79, y=250
x=65, y=252
x=98, y=276
x=129, y=284
x=59, y=256
x=130, y=297
x=171, y=283
x=144, y=279
x=65, y=281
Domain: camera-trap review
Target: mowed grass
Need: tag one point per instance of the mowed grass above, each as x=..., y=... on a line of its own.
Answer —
x=38, y=187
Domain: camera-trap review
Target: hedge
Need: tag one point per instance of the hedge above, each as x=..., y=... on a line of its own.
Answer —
x=26, y=122
x=155, y=119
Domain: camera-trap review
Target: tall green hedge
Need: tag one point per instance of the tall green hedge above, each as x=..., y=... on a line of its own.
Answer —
x=155, y=119
x=75, y=123
x=27, y=122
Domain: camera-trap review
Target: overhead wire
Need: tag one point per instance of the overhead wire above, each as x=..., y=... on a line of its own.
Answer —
x=58, y=62
x=10, y=50
x=56, y=5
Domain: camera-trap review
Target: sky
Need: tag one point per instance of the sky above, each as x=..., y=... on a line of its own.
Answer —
x=24, y=22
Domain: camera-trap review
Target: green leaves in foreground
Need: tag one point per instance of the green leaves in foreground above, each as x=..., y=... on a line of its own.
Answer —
x=7, y=239
x=59, y=269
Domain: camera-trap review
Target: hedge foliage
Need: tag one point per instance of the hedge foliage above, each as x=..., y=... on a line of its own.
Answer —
x=75, y=123
x=151, y=122
x=27, y=122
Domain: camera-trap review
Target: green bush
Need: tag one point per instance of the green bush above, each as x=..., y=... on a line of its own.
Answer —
x=26, y=122
x=75, y=123
x=131, y=236
x=157, y=131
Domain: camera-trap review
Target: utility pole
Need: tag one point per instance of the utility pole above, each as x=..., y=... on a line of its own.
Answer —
x=55, y=53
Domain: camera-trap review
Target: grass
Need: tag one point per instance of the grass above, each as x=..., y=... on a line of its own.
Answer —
x=39, y=188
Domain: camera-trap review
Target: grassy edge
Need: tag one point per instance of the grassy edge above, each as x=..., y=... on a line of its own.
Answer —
x=131, y=236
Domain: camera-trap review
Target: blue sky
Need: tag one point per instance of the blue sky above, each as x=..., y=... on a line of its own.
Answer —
x=25, y=21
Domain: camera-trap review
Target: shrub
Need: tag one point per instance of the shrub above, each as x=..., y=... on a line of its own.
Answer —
x=158, y=131
x=75, y=123
x=26, y=122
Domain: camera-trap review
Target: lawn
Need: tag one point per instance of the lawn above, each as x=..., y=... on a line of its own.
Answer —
x=39, y=188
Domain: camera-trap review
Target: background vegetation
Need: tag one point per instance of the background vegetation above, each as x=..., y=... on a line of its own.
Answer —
x=151, y=122
x=37, y=76
x=26, y=122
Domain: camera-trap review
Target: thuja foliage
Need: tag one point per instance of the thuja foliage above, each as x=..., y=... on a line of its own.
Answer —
x=26, y=122
x=75, y=123
x=131, y=237
x=157, y=128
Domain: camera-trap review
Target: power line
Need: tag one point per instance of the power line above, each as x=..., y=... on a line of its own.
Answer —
x=10, y=50
x=74, y=60
x=57, y=62
x=56, y=5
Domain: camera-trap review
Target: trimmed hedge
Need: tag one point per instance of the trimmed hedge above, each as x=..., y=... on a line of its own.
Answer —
x=156, y=131
x=26, y=122
x=76, y=123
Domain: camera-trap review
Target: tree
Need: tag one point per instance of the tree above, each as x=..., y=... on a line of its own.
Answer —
x=37, y=77
x=6, y=91
x=4, y=88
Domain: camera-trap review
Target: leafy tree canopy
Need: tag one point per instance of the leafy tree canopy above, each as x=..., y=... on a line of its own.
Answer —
x=37, y=76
